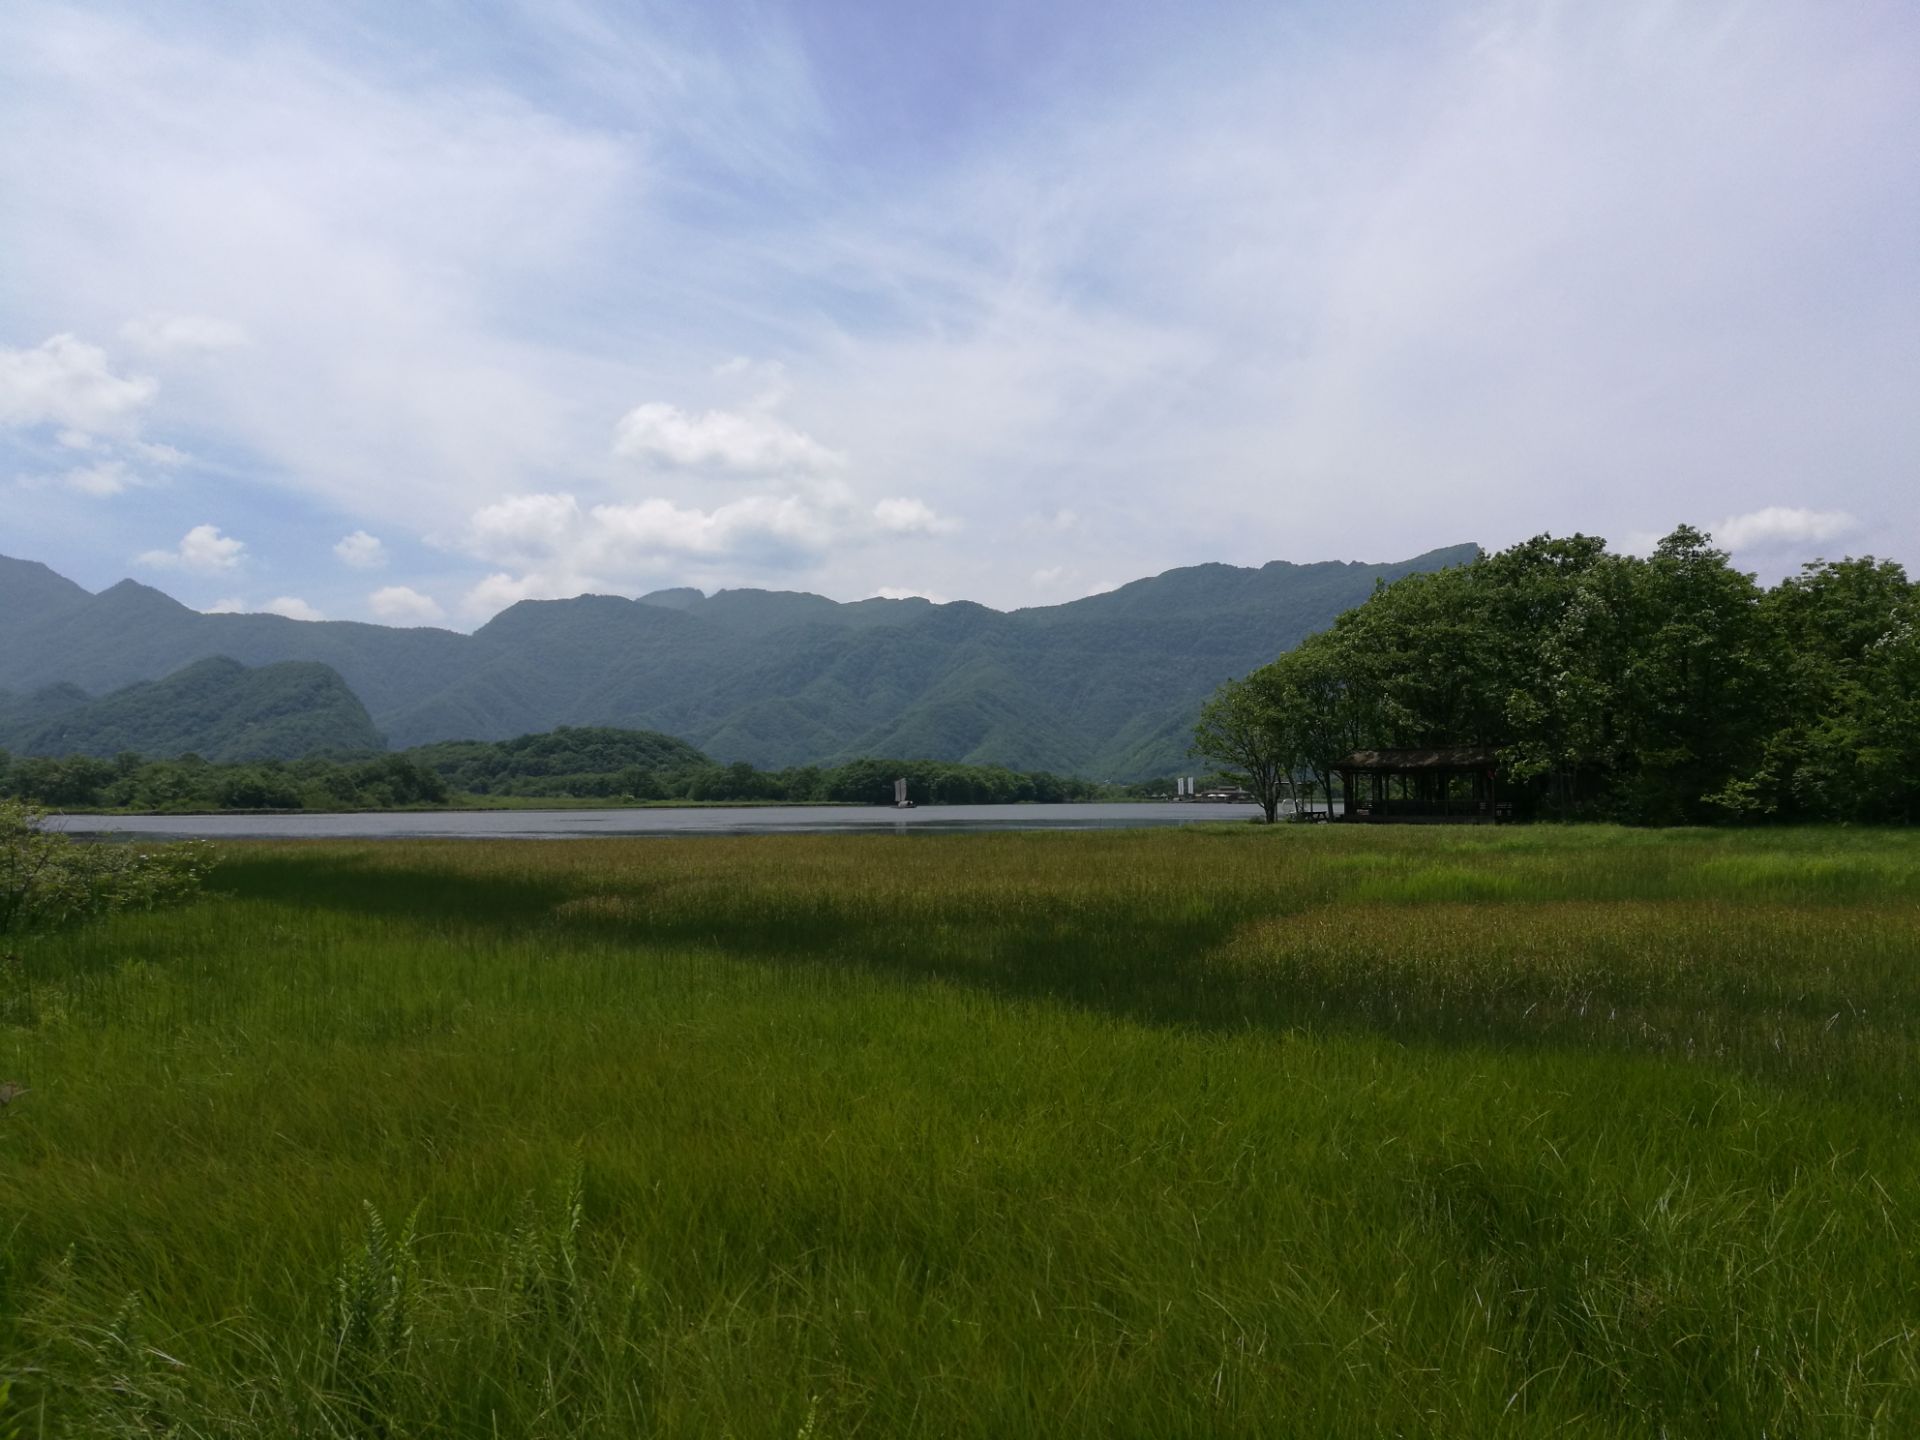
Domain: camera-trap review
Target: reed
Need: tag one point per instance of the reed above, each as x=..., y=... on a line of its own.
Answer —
x=1310, y=1131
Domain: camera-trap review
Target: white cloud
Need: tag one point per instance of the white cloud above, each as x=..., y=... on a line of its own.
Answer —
x=203, y=548
x=541, y=530
x=524, y=529
x=228, y=605
x=66, y=382
x=158, y=333
x=1779, y=525
x=105, y=477
x=770, y=526
x=499, y=590
x=553, y=545
x=749, y=443
x=903, y=516
x=361, y=551
x=896, y=592
x=405, y=604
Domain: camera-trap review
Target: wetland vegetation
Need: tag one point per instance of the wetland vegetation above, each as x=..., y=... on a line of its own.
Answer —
x=1248, y=1131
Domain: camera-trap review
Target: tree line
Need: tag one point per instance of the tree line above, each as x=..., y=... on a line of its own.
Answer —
x=190, y=783
x=132, y=782
x=1665, y=689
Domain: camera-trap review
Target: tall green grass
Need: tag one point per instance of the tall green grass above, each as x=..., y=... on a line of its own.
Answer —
x=1236, y=1132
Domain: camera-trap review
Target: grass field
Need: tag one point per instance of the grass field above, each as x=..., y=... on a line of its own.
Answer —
x=1310, y=1131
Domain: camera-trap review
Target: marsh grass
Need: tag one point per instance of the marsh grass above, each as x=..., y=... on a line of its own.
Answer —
x=1309, y=1132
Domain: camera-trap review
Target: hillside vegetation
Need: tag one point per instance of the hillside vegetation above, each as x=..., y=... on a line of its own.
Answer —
x=1103, y=687
x=628, y=762
x=1292, y=1131
x=218, y=709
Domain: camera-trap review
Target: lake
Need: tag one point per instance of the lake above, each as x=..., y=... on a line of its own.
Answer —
x=587, y=824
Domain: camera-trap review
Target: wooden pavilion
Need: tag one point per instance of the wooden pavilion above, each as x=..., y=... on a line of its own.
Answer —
x=1457, y=785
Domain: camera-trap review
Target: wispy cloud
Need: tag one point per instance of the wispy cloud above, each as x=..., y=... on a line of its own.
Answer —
x=1133, y=293
x=162, y=334
x=104, y=477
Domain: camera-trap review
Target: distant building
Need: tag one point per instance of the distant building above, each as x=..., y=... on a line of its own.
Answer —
x=1457, y=785
x=1227, y=794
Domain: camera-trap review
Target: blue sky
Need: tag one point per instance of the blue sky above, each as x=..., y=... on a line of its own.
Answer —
x=408, y=311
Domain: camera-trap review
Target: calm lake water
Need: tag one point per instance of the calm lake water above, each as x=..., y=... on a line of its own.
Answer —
x=579, y=824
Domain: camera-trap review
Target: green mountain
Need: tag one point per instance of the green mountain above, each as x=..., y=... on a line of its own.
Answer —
x=1106, y=686
x=33, y=593
x=217, y=708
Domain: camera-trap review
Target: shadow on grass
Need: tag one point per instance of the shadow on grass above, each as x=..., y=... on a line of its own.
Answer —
x=434, y=897
x=1138, y=966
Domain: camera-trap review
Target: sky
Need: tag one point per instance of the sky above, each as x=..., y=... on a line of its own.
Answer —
x=408, y=312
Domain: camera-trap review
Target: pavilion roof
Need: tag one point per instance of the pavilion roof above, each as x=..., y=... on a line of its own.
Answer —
x=1445, y=757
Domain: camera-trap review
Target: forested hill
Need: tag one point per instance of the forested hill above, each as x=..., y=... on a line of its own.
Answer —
x=217, y=709
x=1105, y=686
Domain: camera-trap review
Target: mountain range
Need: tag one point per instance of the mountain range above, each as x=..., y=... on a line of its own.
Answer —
x=1105, y=686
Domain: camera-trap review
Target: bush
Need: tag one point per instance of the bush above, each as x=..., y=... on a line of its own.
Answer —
x=47, y=879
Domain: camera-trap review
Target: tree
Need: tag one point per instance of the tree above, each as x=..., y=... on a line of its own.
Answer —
x=1326, y=713
x=1244, y=727
x=1839, y=749
x=1658, y=690
x=1699, y=682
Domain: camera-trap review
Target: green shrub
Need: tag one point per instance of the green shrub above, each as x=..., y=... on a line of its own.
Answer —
x=47, y=879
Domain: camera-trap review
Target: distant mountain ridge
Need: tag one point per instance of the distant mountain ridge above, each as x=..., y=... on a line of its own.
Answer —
x=1106, y=686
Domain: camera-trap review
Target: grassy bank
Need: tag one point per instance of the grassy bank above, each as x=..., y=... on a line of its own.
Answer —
x=1309, y=1131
